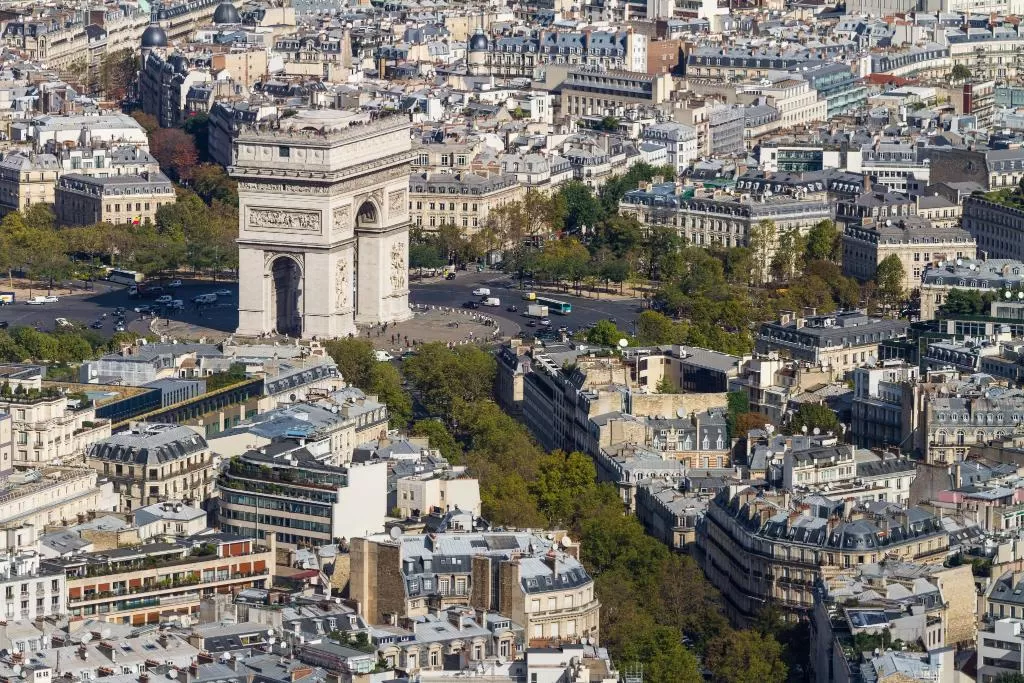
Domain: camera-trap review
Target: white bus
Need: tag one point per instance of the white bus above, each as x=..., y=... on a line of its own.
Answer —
x=124, y=277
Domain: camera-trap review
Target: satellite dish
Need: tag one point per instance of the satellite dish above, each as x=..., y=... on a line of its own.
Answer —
x=566, y=541
x=680, y=412
x=817, y=431
x=270, y=631
x=395, y=532
x=172, y=674
x=1007, y=294
x=623, y=343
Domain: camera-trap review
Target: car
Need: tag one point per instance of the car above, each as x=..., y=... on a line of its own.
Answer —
x=62, y=322
x=120, y=310
x=382, y=356
x=481, y=291
x=98, y=325
x=175, y=283
x=144, y=310
x=471, y=304
x=4, y=324
x=545, y=322
x=204, y=299
x=512, y=309
x=164, y=299
x=564, y=330
x=155, y=289
x=222, y=292
x=119, y=327
x=177, y=305
x=532, y=323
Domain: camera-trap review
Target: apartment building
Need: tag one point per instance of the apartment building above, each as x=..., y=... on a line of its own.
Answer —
x=973, y=416
x=717, y=218
x=882, y=412
x=56, y=41
x=445, y=490
x=537, y=583
x=762, y=546
x=999, y=647
x=28, y=589
x=26, y=179
x=164, y=84
x=896, y=165
x=997, y=228
x=284, y=490
x=119, y=200
x=520, y=56
x=76, y=129
x=686, y=368
x=678, y=138
x=670, y=513
x=153, y=463
x=461, y=199
x=146, y=584
x=969, y=275
x=33, y=499
x=838, y=342
x=600, y=92
x=794, y=98
x=47, y=428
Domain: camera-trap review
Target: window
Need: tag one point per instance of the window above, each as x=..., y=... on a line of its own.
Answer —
x=284, y=152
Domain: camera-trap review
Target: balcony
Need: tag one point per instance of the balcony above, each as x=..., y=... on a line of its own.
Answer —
x=160, y=586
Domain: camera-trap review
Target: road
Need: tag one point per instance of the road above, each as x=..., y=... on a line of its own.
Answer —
x=585, y=310
x=87, y=307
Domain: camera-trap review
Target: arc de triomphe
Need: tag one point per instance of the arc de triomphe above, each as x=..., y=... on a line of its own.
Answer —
x=323, y=234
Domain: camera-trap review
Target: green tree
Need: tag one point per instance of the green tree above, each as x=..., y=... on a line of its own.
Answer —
x=562, y=485
x=966, y=302
x=762, y=240
x=959, y=73
x=666, y=386
x=814, y=416
x=355, y=359
x=581, y=206
x=386, y=384
x=745, y=657
x=605, y=333
x=424, y=255
x=440, y=438
x=786, y=259
x=890, y=276
x=446, y=376
x=824, y=242
x=653, y=328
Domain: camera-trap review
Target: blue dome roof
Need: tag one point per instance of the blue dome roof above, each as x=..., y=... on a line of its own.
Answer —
x=226, y=14
x=478, y=43
x=154, y=36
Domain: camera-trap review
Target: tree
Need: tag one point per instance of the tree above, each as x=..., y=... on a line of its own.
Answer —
x=561, y=487
x=440, y=438
x=197, y=125
x=890, y=276
x=386, y=384
x=424, y=255
x=117, y=70
x=814, y=416
x=959, y=73
x=445, y=377
x=666, y=386
x=655, y=328
x=823, y=242
x=605, y=333
x=355, y=360
x=745, y=422
x=581, y=207
x=737, y=403
x=786, y=259
x=176, y=151
x=762, y=241
x=966, y=302
x=745, y=657
x=147, y=121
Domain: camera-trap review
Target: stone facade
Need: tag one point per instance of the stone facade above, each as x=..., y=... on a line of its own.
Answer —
x=323, y=224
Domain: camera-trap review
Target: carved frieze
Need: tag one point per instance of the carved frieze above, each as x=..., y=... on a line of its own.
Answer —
x=281, y=220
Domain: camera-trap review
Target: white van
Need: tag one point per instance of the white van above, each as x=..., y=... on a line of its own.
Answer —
x=492, y=301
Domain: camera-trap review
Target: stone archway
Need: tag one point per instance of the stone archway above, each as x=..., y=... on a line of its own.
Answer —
x=286, y=296
x=367, y=217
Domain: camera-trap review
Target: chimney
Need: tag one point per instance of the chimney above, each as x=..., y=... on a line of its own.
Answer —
x=867, y=183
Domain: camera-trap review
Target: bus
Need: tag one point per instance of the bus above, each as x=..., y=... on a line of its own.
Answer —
x=554, y=305
x=124, y=277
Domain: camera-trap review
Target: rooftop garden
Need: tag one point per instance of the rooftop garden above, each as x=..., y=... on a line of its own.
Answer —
x=1012, y=197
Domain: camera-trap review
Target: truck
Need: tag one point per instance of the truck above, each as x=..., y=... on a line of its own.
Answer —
x=530, y=296
x=481, y=291
x=492, y=301
x=6, y=298
x=536, y=311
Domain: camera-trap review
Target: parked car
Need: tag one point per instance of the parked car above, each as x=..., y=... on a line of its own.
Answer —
x=382, y=356
x=175, y=283
x=62, y=322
